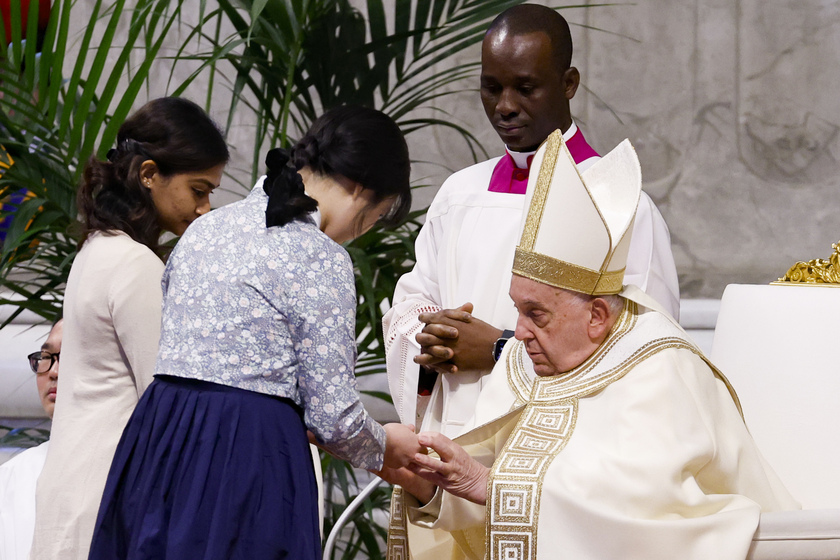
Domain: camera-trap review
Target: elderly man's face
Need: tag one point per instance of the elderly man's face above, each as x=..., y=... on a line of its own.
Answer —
x=553, y=324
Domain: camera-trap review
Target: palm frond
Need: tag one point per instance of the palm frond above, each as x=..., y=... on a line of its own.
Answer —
x=52, y=123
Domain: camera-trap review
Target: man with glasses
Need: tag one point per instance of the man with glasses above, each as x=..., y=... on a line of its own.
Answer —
x=19, y=475
x=44, y=365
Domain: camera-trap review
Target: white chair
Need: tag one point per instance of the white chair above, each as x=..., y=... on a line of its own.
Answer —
x=778, y=345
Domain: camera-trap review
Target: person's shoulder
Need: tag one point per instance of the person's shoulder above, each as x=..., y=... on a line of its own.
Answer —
x=676, y=369
x=648, y=216
x=119, y=248
x=646, y=201
x=220, y=230
x=473, y=176
x=308, y=242
x=28, y=460
x=472, y=179
x=228, y=216
x=670, y=382
x=312, y=259
x=319, y=242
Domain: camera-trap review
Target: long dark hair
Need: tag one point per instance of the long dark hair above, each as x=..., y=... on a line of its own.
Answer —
x=174, y=133
x=361, y=144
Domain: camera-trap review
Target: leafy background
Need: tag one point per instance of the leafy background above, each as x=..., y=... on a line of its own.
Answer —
x=272, y=64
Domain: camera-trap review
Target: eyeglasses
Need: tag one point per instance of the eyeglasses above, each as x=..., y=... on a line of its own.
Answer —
x=42, y=362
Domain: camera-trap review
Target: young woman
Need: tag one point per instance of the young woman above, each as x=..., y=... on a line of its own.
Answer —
x=169, y=157
x=257, y=347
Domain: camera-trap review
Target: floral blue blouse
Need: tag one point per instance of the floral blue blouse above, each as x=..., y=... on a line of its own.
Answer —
x=270, y=310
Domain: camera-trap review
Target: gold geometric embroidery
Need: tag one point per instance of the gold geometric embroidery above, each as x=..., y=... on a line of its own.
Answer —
x=516, y=479
x=513, y=501
x=511, y=546
x=527, y=441
x=398, y=527
x=518, y=379
x=532, y=223
x=517, y=463
x=547, y=421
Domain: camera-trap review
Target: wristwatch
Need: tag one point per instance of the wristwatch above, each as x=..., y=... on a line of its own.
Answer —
x=500, y=343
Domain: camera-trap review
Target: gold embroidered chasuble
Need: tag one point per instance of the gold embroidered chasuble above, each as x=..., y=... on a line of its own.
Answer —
x=546, y=424
x=581, y=467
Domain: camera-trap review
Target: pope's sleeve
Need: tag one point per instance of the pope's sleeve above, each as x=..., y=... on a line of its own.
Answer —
x=451, y=513
x=650, y=261
x=417, y=292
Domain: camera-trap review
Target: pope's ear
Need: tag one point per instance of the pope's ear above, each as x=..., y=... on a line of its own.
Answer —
x=600, y=318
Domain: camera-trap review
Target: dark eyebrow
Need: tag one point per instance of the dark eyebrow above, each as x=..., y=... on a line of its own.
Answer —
x=524, y=79
x=207, y=183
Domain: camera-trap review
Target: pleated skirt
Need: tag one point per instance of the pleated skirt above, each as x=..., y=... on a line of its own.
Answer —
x=205, y=471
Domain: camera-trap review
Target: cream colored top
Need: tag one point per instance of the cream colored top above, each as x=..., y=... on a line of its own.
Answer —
x=111, y=330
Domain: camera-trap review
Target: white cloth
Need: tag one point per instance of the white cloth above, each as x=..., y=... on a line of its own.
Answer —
x=639, y=453
x=464, y=254
x=18, y=476
x=112, y=311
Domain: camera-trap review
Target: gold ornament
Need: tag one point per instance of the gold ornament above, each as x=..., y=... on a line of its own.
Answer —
x=820, y=272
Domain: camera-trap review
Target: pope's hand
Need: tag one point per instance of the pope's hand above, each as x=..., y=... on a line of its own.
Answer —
x=454, y=340
x=455, y=471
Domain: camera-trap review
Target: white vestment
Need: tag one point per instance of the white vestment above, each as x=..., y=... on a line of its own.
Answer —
x=638, y=453
x=464, y=254
x=18, y=476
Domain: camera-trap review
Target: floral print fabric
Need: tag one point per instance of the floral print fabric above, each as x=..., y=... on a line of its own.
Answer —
x=270, y=310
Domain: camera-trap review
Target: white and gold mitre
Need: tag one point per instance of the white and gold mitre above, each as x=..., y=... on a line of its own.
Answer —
x=576, y=232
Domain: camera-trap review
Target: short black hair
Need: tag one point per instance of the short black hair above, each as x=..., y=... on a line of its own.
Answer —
x=532, y=18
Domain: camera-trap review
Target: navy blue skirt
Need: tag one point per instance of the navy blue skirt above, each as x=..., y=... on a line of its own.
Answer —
x=205, y=471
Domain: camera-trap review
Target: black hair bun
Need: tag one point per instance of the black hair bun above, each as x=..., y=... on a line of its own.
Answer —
x=287, y=200
x=276, y=159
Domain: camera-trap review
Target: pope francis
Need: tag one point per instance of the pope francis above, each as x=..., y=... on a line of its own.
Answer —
x=607, y=434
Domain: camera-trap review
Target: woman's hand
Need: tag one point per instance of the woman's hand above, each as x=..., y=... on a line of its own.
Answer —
x=415, y=485
x=401, y=445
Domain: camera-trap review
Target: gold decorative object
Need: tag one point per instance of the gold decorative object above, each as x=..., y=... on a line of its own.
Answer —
x=816, y=271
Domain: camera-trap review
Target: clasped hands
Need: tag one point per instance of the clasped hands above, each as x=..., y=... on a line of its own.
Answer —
x=453, y=340
x=419, y=474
